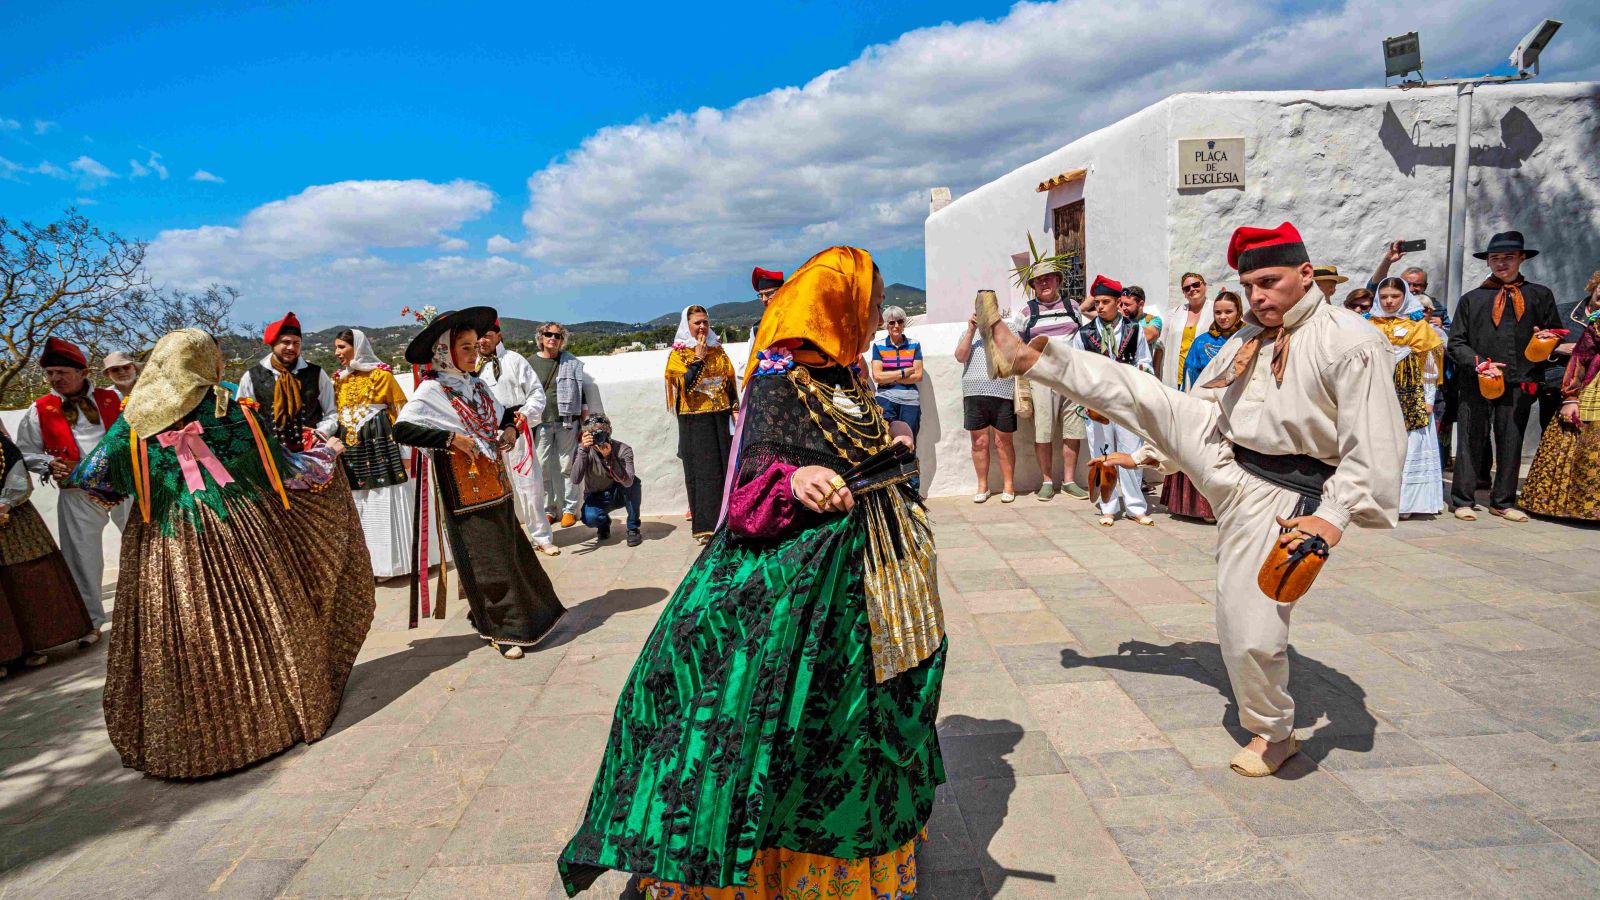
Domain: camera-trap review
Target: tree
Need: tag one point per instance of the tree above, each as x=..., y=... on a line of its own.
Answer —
x=72, y=280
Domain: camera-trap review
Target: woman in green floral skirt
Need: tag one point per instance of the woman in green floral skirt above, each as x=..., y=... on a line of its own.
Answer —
x=777, y=733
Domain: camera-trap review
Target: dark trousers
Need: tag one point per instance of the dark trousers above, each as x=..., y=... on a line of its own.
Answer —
x=1502, y=423
x=597, y=507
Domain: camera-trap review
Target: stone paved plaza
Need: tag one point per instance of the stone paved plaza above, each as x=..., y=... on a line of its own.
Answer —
x=1448, y=675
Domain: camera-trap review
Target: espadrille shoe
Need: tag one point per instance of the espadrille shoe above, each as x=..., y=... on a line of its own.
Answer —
x=987, y=306
x=1254, y=765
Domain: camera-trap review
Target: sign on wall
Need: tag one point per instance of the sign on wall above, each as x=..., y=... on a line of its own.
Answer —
x=1205, y=163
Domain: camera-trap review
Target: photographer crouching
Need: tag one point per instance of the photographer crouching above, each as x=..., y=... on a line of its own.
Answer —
x=604, y=469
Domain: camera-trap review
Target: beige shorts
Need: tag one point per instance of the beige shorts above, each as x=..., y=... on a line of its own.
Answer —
x=1054, y=416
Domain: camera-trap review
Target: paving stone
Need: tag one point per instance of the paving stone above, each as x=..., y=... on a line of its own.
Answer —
x=1211, y=851
x=1462, y=820
x=1365, y=864
x=514, y=824
x=958, y=884
x=353, y=758
x=450, y=882
x=1298, y=800
x=982, y=706
x=1583, y=832
x=1542, y=780
x=1232, y=890
x=1161, y=809
x=1038, y=627
x=1016, y=600
x=1042, y=664
x=358, y=861
x=1002, y=754
x=1414, y=783
x=1508, y=634
x=1385, y=750
x=1134, y=773
x=564, y=750
x=425, y=786
x=283, y=826
x=1454, y=723
x=1091, y=717
x=1074, y=856
x=1523, y=873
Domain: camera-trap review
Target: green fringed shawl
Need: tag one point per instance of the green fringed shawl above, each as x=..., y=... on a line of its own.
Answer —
x=110, y=469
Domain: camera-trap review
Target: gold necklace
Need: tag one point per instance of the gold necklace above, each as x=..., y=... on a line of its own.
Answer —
x=866, y=430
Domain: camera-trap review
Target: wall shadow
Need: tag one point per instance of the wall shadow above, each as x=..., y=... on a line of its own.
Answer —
x=1519, y=138
x=1324, y=696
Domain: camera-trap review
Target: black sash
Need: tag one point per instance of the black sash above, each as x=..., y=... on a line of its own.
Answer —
x=1305, y=475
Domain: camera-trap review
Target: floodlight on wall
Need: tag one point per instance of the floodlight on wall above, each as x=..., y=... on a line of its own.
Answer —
x=1402, y=55
x=1526, y=56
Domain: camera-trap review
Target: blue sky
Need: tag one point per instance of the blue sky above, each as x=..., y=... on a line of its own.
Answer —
x=668, y=151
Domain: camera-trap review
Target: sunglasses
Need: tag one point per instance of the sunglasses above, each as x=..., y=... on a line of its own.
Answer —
x=552, y=334
x=1361, y=307
x=1194, y=286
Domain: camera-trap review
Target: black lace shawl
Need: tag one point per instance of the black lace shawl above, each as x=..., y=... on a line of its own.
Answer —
x=778, y=428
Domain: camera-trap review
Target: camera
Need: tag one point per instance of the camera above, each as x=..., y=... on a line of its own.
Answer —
x=600, y=437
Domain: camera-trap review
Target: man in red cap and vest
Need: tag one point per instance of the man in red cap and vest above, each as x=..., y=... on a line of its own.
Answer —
x=293, y=394
x=56, y=432
x=1294, y=425
x=766, y=283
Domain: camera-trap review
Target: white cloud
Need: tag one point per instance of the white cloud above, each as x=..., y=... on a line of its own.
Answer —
x=136, y=169
x=44, y=126
x=850, y=155
x=151, y=165
x=9, y=124
x=86, y=201
x=327, y=242
x=501, y=244
x=203, y=175
x=91, y=173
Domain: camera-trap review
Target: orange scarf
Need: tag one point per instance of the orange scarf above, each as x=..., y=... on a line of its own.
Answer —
x=285, y=395
x=1514, y=289
x=1247, y=355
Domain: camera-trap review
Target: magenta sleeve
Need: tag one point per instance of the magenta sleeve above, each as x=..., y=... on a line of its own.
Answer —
x=764, y=506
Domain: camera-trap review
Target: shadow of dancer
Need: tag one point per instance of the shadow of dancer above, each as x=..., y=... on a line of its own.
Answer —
x=1328, y=703
x=982, y=781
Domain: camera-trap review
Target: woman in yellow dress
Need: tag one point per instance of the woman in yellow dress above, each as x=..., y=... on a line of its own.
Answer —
x=1418, y=370
x=702, y=393
x=369, y=401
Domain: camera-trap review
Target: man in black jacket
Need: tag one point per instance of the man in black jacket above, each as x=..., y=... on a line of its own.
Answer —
x=1492, y=327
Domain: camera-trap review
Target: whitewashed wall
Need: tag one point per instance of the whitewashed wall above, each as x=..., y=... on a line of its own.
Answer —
x=1353, y=169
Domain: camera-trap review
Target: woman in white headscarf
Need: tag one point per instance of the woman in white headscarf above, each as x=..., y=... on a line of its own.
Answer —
x=369, y=400
x=1418, y=369
x=702, y=393
x=456, y=420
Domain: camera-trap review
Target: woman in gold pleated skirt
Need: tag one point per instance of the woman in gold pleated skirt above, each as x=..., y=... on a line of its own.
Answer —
x=245, y=589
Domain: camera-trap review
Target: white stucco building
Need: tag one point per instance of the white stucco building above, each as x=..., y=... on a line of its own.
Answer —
x=1353, y=169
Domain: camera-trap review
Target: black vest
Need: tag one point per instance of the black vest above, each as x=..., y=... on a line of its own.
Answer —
x=1127, y=349
x=290, y=435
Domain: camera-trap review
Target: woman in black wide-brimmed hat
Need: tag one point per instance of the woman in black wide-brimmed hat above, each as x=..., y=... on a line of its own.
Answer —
x=456, y=420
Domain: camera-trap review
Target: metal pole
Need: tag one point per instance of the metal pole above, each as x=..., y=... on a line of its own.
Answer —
x=1456, y=239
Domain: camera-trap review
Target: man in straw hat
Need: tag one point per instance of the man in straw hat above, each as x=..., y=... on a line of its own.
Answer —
x=123, y=370
x=55, y=434
x=1328, y=280
x=1494, y=323
x=1053, y=315
x=1294, y=426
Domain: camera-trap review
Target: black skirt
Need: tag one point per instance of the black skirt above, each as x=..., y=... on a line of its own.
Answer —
x=512, y=600
x=373, y=461
x=704, y=444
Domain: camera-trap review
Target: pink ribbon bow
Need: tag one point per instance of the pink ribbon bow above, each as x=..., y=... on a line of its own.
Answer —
x=192, y=454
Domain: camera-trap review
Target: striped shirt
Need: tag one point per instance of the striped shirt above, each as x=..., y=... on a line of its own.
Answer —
x=895, y=359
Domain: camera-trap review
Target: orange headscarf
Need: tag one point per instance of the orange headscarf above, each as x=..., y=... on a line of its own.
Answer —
x=824, y=303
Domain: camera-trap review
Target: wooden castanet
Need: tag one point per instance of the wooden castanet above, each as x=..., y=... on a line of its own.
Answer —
x=1491, y=386
x=1096, y=416
x=1285, y=576
x=1102, y=480
x=1539, y=348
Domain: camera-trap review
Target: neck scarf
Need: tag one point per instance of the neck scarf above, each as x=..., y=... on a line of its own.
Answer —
x=1216, y=332
x=285, y=393
x=685, y=339
x=1247, y=355
x=1502, y=289
x=81, y=402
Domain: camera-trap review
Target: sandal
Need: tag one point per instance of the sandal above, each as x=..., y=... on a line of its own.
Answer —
x=980, y=497
x=1466, y=514
x=1510, y=514
x=1108, y=521
x=509, y=651
x=1254, y=765
x=1008, y=497
x=548, y=549
x=35, y=660
x=1143, y=520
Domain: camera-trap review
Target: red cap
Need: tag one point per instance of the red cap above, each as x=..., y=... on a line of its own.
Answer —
x=286, y=325
x=495, y=327
x=1259, y=248
x=763, y=280
x=1105, y=287
x=58, y=352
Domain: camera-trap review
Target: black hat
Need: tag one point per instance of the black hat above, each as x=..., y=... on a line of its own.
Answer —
x=479, y=318
x=1506, y=242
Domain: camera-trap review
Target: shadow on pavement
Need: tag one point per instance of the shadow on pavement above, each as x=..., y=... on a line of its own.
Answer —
x=1325, y=698
x=997, y=738
x=594, y=612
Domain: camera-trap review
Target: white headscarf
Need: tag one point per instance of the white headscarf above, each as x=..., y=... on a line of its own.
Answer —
x=1412, y=304
x=365, y=359
x=685, y=339
x=430, y=405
